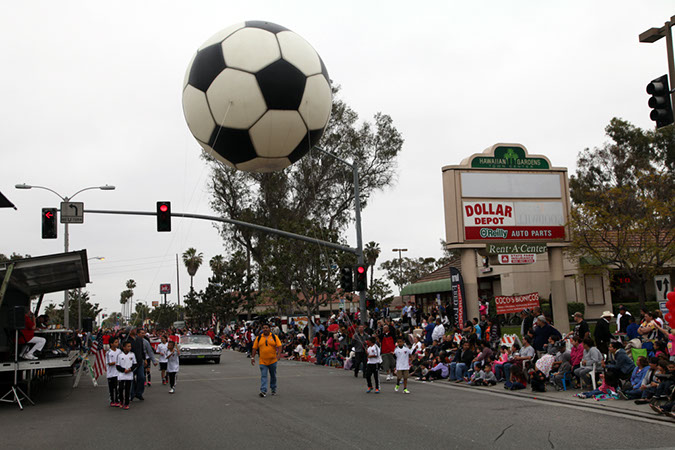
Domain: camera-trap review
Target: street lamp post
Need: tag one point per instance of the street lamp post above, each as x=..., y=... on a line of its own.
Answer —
x=400, y=266
x=66, y=305
x=653, y=35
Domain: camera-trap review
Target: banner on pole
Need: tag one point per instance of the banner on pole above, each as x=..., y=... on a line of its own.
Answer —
x=516, y=303
x=458, y=302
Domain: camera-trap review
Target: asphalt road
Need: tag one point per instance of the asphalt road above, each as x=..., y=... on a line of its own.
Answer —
x=217, y=406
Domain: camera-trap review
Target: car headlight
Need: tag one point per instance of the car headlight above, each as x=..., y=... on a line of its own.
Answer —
x=217, y=349
x=184, y=349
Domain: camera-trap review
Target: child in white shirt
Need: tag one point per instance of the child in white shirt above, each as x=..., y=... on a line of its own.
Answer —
x=402, y=354
x=162, y=350
x=111, y=371
x=126, y=364
x=173, y=363
x=374, y=361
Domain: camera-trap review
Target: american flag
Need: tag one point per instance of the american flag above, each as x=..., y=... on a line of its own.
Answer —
x=99, y=354
x=214, y=321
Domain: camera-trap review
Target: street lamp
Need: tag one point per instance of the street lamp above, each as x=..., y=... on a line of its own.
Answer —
x=400, y=266
x=107, y=187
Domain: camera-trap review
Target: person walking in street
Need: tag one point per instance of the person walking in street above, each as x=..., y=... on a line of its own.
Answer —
x=172, y=364
x=402, y=354
x=111, y=371
x=388, y=342
x=360, y=346
x=268, y=346
x=126, y=367
x=373, y=366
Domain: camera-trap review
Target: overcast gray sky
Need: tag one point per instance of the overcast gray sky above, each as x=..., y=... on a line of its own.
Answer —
x=90, y=93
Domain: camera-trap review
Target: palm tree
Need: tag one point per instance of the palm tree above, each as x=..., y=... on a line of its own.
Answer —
x=217, y=264
x=131, y=284
x=370, y=253
x=192, y=261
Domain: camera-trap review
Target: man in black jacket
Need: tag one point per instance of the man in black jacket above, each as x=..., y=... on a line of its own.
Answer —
x=138, y=387
x=602, y=334
x=462, y=362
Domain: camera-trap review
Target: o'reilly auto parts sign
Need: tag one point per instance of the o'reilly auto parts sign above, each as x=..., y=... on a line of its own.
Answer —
x=508, y=220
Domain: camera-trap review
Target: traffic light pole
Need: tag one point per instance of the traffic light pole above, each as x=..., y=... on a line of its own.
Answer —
x=359, y=237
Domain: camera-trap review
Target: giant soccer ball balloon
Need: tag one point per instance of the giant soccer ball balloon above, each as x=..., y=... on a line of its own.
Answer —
x=257, y=96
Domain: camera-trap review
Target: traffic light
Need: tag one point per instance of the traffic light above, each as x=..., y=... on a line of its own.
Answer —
x=662, y=109
x=361, y=277
x=347, y=279
x=49, y=227
x=163, y=216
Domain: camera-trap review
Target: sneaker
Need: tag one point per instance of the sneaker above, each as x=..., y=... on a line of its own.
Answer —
x=406, y=391
x=274, y=392
x=377, y=391
x=396, y=388
x=389, y=378
x=145, y=384
x=113, y=404
x=622, y=395
x=125, y=407
x=369, y=390
x=642, y=401
x=262, y=394
x=172, y=390
x=149, y=384
x=30, y=357
x=121, y=405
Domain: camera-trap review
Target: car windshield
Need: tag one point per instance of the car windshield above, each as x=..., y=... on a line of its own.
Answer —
x=195, y=340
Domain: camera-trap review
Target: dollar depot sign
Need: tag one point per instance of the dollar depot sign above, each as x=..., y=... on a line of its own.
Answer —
x=505, y=194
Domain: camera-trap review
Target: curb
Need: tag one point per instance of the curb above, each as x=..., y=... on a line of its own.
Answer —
x=596, y=405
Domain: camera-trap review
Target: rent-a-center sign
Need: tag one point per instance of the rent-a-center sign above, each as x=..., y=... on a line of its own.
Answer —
x=504, y=194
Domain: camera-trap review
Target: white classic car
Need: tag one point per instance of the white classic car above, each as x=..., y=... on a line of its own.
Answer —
x=199, y=347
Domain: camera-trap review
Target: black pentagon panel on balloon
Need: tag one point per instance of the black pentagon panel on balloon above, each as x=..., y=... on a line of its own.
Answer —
x=309, y=141
x=282, y=85
x=233, y=145
x=268, y=26
x=207, y=65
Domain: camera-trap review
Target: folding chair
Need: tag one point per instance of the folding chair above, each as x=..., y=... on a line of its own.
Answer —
x=637, y=352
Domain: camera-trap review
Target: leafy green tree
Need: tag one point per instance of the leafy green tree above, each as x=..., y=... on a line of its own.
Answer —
x=314, y=197
x=404, y=271
x=623, y=193
x=380, y=292
x=89, y=309
x=14, y=255
x=165, y=315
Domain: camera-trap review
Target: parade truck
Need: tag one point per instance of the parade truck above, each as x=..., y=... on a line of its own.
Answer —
x=23, y=281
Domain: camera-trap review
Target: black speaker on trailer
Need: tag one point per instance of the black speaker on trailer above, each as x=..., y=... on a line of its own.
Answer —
x=17, y=318
x=88, y=325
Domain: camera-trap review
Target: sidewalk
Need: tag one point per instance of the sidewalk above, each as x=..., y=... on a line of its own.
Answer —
x=626, y=407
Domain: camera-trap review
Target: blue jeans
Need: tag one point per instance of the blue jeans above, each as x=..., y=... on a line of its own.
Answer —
x=507, y=370
x=272, y=368
x=138, y=386
x=460, y=370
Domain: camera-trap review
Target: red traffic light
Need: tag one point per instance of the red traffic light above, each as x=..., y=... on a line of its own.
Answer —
x=360, y=269
x=49, y=215
x=163, y=208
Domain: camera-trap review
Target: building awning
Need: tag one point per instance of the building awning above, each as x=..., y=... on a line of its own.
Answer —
x=428, y=287
x=50, y=273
